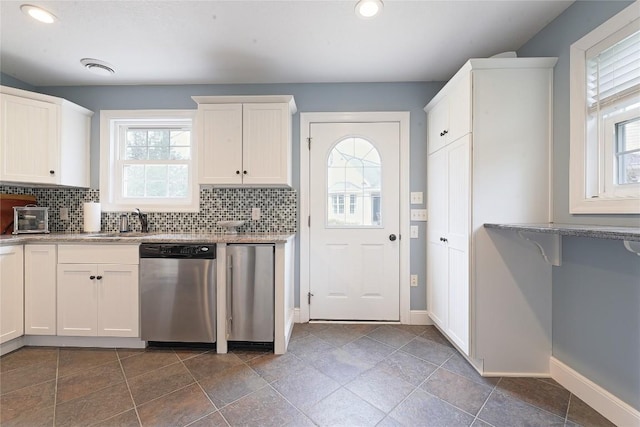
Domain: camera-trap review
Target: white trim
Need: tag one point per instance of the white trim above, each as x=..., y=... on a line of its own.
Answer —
x=12, y=345
x=296, y=315
x=65, y=341
x=578, y=201
x=610, y=406
x=420, y=317
x=108, y=160
x=401, y=117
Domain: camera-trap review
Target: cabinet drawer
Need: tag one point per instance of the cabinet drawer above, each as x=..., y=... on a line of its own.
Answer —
x=98, y=254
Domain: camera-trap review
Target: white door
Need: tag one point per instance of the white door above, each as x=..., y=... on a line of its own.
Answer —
x=354, y=208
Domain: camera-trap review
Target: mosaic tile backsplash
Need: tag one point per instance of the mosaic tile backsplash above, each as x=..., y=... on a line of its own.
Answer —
x=278, y=210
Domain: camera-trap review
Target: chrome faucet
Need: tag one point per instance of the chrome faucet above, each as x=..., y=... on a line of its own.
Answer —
x=144, y=222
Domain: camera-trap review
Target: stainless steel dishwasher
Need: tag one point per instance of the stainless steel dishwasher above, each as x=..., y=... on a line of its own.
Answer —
x=250, y=293
x=178, y=292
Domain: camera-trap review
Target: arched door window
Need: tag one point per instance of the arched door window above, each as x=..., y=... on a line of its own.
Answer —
x=354, y=175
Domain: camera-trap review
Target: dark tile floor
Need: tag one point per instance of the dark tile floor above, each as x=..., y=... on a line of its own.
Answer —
x=337, y=375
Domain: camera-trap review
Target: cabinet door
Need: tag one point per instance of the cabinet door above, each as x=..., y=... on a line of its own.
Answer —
x=220, y=143
x=458, y=240
x=459, y=108
x=118, y=300
x=75, y=137
x=438, y=125
x=437, y=270
x=40, y=289
x=11, y=293
x=266, y=149
x=77, y=299
x=28, y=140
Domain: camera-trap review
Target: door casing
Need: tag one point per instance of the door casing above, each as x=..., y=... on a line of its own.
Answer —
x=401, y=117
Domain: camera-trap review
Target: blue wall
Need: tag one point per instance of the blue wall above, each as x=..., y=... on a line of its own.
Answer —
x=596, y=292
x=314, y=97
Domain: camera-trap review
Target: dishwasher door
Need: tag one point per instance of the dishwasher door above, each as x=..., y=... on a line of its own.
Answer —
x=250, y=293
x=178, y=300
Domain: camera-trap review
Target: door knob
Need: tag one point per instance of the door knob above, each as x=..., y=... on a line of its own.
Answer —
x=392, y=237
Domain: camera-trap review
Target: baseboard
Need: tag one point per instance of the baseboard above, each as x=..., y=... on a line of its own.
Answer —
x=99, y=342
x=610, y=406
x=419, y=317
x=296, y=315
x=9, y=346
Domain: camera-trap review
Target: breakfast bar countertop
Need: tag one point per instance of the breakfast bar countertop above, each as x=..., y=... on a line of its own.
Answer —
x=151, y=237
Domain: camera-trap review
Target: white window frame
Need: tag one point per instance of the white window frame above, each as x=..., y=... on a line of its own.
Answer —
x=110, y=176
x=588, y=165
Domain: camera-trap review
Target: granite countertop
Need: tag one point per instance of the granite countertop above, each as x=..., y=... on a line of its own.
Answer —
x=594, y=231
x=136, y=238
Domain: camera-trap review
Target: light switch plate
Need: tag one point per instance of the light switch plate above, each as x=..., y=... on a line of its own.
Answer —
x=418, y=214
x=414, y=231
x=414, y=280
x=416, y=197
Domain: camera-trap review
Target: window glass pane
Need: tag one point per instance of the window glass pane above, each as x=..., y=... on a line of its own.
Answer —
x=133, y=181
x=628, y=151
x=354, y=176
x=178, y=181
x=158, y=144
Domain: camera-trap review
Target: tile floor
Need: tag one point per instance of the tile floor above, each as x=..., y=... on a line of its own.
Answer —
x=346, y=375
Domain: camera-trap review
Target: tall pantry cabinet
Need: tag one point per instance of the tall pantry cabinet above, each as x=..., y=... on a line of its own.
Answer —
x=489, y=139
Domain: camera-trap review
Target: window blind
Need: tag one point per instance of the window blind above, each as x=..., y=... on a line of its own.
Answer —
x=613, y=74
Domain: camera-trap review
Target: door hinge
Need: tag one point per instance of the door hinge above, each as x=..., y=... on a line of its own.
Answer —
x=309, y=221
x=309, y=142
x=309, y=295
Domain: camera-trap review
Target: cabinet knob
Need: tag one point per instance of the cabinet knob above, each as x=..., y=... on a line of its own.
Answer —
x=244, y=172
x=99, y=277
x=237, y=172
x=392, y=237
x=442, y=239
x=52, y=172
x=92, y=277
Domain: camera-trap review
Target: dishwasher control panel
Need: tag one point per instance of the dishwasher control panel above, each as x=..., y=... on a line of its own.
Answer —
x=173, y=250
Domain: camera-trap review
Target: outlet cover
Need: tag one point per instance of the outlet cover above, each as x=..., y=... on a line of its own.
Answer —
x=414, y=280
x=414, y=231
x=416, y=197
x=64, y=214
x=255, y=214
x=418, y=214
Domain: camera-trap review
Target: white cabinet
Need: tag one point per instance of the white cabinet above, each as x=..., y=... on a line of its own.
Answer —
x=450, y=117
x=244, y=140
x=43, y=139
x=98, y=290
x=491, y=165
x=40, y=264
x=11, y=293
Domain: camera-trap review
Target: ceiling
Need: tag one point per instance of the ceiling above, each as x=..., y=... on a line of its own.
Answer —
x=294, y=41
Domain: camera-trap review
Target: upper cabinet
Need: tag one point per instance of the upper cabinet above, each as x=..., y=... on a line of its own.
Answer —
x=244, y=140
x=43, y=139
x=450, y=117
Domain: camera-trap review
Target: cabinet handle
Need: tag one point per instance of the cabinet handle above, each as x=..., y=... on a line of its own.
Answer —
x=99, y=277
x=442, y=239
x=237, y=172
x=92, y=277
x=444, y=132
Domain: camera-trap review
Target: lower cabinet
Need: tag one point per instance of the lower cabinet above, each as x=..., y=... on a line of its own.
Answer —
x=40, y=264
x=98, y=299
x=11, y=293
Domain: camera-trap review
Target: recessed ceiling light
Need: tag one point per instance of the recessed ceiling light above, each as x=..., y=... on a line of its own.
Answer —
x=98, y=67
x=367, y=9
x=38, y=13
